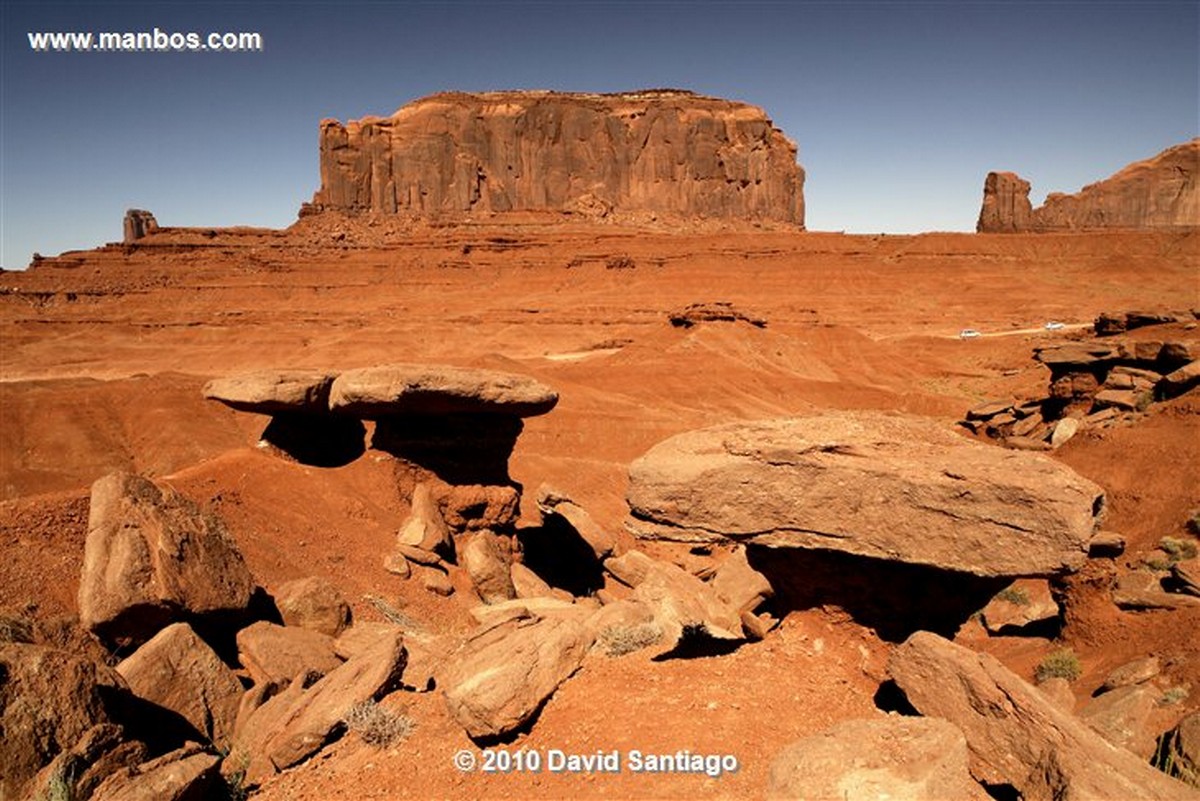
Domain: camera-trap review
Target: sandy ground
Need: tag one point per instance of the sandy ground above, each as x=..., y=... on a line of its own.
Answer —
x=104, y=353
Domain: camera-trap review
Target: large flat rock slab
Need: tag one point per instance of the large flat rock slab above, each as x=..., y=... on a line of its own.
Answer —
x=406, y=389
x=885, y=486
x=273, y=391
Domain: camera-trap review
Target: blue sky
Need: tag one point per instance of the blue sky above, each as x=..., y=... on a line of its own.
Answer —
x=899, y=108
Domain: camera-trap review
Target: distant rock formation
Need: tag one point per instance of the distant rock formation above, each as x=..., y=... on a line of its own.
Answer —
x=138, y=223
x=1160, y=192
x=1006, y=206
x=666, y=152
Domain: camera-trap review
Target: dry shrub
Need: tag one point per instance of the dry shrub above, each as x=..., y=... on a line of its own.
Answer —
x=377, y=725
x=619, y=640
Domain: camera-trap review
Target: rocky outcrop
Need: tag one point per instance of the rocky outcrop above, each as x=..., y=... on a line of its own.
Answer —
x=864, y=760
x=48, y=700
x=1160, y=192
x=176, y=670
x=1181, y=749
x=273, y=391
x=662, y=152
x=138, y=223
x=275, y=655
x=890, y=487
x=1015, y=734
x=505, y=672
x=313, y=603
x=151, y=557
x=298, y=722
x=418, y=389
x=1006, y=206
x=183, y=775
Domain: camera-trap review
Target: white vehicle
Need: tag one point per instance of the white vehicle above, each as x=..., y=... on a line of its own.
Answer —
x=1054, y=325
x=969, y=333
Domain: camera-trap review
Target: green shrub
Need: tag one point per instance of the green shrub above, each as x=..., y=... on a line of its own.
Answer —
x=1061, y=664
x=1178, y=549
x=1173, y=696
x=1014, y=595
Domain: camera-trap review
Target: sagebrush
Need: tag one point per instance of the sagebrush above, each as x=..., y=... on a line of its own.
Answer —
x=377, y=725
x=618, y=640
x=1061, y=664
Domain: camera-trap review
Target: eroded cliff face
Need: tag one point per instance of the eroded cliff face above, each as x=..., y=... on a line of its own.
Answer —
x=1006, y=206
x=1160, y=192
x=663, y=152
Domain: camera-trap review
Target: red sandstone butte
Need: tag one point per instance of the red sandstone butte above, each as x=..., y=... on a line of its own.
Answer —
x=1160, y=192
x=662, y=152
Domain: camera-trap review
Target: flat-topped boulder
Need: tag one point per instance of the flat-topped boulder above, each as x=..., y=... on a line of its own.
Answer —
x=422, y=389
x=891, y=487
x=273, y=391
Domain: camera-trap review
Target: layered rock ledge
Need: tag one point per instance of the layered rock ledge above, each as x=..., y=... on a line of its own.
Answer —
x=666, y=152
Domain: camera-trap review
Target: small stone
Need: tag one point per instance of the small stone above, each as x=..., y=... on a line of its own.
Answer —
x=1135, y=672
x=1063, y=431
x=1106, y=544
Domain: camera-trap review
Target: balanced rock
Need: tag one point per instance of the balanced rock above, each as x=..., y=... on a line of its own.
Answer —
x=504, y=674
x=1015, y=734
x=273, y=391
x=471, y=507
x=313, y=603
x=419, y=389
x=864, y=760
x=656, y=151
x=1006, y=206
x=177, y=670
x=152, y=556
x=424, y=528
x=884, y=486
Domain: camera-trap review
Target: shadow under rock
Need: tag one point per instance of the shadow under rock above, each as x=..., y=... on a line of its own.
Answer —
x=893, y=598
x=318, y=440
x=460, y=449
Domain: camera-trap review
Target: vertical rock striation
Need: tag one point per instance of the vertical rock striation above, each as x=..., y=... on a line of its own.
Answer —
x=663, y=152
